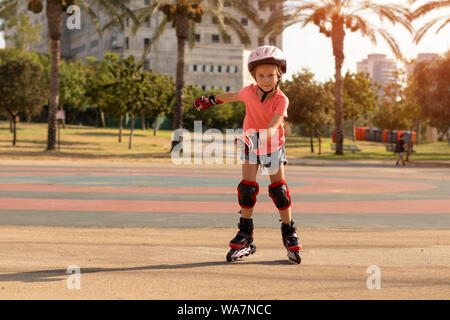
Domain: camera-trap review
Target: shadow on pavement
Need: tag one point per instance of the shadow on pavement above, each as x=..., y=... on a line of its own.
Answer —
x=61, y=274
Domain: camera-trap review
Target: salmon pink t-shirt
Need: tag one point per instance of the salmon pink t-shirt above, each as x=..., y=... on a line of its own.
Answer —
x=258, y=116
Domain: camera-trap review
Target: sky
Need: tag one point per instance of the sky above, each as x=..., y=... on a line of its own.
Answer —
x=307, y=48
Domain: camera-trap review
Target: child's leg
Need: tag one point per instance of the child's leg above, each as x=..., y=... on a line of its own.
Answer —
x=285, y=213
x=249, y=172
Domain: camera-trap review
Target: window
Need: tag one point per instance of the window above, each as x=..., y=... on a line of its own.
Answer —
x=273, y=41
x=244, y=22
x=215, y=20
x=215, y=38
x=228, y=89
x=147, y=22
x=219, y=69
x=204, y=68
x=147, y=64
x=94, y=43
x=197, y=37
x=147, y=2
x=146, y=42
x=227, y=39
x=194, y=68
x=260, y=41
x=127, y=43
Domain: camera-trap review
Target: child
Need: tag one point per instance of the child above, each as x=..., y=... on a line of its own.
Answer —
x=263, y=144
x=400, y=148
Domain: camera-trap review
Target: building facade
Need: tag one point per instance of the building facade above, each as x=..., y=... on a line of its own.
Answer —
x=213, y=63
x=379, y=67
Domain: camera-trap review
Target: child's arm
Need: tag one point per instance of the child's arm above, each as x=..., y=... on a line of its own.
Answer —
x=273, y=127
x=253, y=141
x=206, y=102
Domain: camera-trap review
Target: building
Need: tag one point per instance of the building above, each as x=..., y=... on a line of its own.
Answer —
x=214, y=62
x=420, y=57
x=379, y=67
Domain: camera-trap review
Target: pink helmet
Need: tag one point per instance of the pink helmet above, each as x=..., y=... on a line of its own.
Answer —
x=267, y=55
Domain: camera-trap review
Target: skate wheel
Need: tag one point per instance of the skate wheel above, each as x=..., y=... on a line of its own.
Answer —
x=295, y=257
x=230, y=255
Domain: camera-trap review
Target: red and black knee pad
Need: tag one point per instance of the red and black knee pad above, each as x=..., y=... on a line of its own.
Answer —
x=279, y=192
x=247, y=192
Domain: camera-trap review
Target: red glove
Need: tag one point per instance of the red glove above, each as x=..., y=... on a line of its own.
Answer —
x=204, y=103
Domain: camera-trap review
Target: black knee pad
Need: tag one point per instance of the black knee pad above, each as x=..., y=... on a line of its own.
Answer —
x=247, y=191
x=279, y=192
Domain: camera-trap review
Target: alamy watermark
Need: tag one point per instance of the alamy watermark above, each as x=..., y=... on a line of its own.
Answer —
x=74, y=280
x=374, y=281
x=215, y=147
x=74, y=20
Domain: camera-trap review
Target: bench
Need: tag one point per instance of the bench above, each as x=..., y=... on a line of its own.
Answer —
x=347, y=147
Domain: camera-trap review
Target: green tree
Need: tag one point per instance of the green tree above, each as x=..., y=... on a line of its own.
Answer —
x=333, y=18
x=21, y=88
x=430, y=83
x=184, y=15
x=360, y=97
x=25, y=34
x=55, y=10
x=72, y=85
x=310, y=103
x=161, y=98
x=97, y=76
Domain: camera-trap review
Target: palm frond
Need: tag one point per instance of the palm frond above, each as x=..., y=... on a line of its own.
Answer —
x=246, y=9
x=444, y=24
x=393, y=13
x=8, y=8
x=367, y=30
x=424, y=29
x=156, y=35
x=93, y=15
x=391, y=42
x=430, y=6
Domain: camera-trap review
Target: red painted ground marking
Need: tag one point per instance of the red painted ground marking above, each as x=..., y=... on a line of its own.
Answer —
x=347, y=207
x=317, y=186
x=11, y=172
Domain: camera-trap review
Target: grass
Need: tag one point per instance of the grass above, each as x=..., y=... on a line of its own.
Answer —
x=81, y=142
x=299, y=147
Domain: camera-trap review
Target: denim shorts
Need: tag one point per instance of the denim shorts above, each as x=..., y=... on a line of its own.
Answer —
x=270, y=160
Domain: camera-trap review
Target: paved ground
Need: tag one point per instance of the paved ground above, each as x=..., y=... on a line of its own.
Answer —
x=160, y=231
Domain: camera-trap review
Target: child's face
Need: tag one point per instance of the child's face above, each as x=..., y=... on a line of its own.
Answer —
x=266, y=76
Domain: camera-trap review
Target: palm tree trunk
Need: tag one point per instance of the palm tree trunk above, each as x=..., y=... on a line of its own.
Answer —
x=120, y=128
x=311, y=139
x=182, y=32
x=133, y=119
x=102, y=119
x=337, y=37
x=55, y=20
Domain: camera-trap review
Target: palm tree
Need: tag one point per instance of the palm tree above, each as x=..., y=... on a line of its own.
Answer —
x=55, y=10
x=184, y=15
x=426, y=8
x=334, y=17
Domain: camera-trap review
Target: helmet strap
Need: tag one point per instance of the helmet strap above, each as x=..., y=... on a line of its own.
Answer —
x=265, y=93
